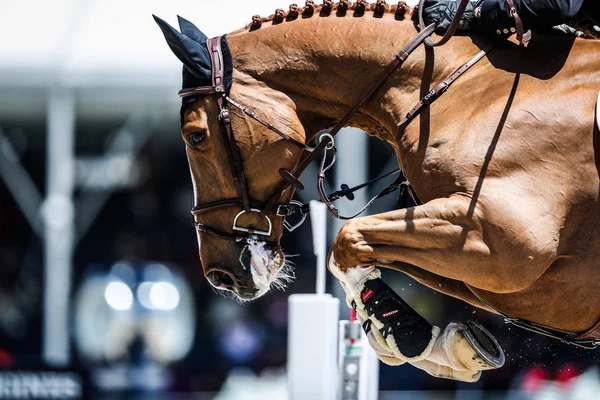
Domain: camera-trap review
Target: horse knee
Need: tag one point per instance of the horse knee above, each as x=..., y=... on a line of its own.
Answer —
x=349, y=233
x=349, y=248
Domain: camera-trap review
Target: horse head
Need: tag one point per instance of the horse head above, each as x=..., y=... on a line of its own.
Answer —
x=235, y=163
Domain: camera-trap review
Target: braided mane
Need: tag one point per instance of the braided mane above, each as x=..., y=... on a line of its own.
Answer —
x=328, y=8
x=581, y=26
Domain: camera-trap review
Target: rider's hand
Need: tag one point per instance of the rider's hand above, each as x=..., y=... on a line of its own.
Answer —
x=442, y=13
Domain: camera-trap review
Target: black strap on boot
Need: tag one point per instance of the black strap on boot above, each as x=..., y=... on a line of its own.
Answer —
x=409, y=330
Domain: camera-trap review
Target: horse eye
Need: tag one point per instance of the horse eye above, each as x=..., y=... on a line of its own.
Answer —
x=197, y=138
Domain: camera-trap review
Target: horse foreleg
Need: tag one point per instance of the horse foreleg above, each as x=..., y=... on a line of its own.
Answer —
x=437, y=368
x=444, y=237
x=442, y=226
x=436, y=363
x=398, y=334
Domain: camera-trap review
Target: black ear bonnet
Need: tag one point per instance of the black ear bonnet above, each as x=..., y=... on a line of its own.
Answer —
x=191, y=49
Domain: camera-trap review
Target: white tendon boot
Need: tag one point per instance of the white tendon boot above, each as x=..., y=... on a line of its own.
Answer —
x=399, y=328
x=398, y=334
x=377, y=343
x=387, y=356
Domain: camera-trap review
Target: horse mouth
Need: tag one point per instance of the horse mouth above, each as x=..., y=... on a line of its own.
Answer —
x=260, y=269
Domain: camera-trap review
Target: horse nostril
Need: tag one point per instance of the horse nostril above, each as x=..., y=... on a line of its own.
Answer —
x=221, y=280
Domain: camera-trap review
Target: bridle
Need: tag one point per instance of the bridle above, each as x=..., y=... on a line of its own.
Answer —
x=241, y=233
x=290, y=178
x=326, y=143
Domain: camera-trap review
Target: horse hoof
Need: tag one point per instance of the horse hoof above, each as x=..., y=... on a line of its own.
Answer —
x=489, y=354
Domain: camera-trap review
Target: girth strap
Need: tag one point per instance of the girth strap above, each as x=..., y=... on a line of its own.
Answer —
x=583, y=341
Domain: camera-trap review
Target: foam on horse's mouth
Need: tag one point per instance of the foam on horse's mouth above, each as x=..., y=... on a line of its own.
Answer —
x=255, y=268
x=268, y=269
x=261, y=265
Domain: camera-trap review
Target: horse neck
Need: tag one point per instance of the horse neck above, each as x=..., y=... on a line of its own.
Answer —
x=324, y=63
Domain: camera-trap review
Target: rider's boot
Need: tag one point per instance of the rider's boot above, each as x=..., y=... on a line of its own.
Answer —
x=442, y=13
x=498, y=16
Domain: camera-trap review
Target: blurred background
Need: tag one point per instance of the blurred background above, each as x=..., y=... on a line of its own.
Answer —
x=101, y=291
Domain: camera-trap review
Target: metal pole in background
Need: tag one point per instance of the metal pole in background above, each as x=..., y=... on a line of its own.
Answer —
x=351, y=168
x=59, y=217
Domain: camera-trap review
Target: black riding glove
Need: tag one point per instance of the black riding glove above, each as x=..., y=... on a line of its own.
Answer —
x=442, y=12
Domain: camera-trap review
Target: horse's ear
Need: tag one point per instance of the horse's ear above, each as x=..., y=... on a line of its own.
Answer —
x=193, y=55
x=190, y=30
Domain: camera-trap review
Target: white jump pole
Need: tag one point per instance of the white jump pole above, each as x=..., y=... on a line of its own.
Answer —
x=318, y=220
x=328, y=359
x=313, y=328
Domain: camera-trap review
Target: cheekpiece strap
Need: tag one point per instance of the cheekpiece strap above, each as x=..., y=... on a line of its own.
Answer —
x=218, y=67
x=218, y=72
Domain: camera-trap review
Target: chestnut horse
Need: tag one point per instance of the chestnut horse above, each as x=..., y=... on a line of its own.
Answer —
x=505, y=163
